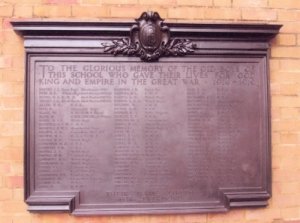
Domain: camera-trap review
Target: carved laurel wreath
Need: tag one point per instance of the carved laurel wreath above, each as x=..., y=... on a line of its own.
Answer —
x=150, y=40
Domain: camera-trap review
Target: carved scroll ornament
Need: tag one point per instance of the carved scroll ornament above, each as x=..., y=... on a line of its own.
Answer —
x=150, y=40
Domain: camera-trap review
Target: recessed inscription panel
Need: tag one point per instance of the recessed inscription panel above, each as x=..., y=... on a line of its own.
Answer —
x=125, y=133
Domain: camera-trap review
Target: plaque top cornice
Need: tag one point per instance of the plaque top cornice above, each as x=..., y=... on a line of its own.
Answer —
x=263, y=32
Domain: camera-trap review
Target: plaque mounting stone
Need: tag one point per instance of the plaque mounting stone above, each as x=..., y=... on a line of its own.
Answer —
x=108, y=133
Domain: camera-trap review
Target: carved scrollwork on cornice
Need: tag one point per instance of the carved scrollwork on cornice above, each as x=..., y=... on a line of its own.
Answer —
x=150, y=39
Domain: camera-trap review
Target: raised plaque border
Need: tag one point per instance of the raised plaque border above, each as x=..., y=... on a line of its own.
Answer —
x=54, y=38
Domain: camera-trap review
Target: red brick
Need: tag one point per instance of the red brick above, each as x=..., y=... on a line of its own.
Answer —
x=250, y=3
x=62, y=218
x=29, y=2
x=14, y=181
x=6, y=219
x=286, y=125
x=23, y=11
x=18, y=167
x=289, y=138
x=14, y=207
x=274, y=64
x=18, y=194
x=276, y=162
x=259, y=14
x=5, y=168
x=222, y=13
x=126, y=11
x=12, y=49
x=154, y=219
x=13, y=75
x=186, y=13
x=275, y=89
x=157, y=2
x=11, y=129
x=5, y=141
x=37, y=218
x=17, y=141
x=285, y=176
x=11, y=88
x=287, y=150
x=275, y=113
x=291, y=213
x=285, y=40
x=290, y=27
x=292, y=4
x=12, y=154
x=289, y=113
x=275, y=138
x=10, y=36
x=232, y=216
x=1, y=37
x=18, y=62
x=285, y=52
x=128, y=219
x=91, y=2
x=6, y=10
x=120, y=1
x=163, y=12
x=52, y=11
x=287, y=200
x=5, y=61
x=193, y=2
x=189, y=218
x=12, y=102
x=290, y=66
x=285, y=101
x=5, y=194
x=291, y=89
x=89, y=11
x=265, y=214
x=288, y=15
x=226, y=3
x=61, y=1
x=22, y=219
x=298, y=39
x=289, y=162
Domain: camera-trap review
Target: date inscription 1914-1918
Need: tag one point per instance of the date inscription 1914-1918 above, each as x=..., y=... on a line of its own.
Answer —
x=150, y=40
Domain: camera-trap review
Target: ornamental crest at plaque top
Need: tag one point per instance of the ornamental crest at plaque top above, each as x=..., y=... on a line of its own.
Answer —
x=150, y=39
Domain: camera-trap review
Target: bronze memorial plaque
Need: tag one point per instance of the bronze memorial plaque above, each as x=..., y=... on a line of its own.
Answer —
x=146, y=117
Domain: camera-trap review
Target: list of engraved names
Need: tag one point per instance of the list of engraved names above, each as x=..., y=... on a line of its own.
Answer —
x=145, y=132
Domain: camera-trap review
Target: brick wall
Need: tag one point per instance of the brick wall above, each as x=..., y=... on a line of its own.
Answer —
x=285, y=90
